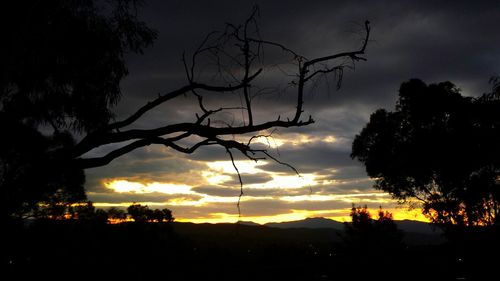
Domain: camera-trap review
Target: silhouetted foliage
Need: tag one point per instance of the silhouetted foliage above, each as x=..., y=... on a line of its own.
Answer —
x=62, y=62
x=79, y=212
x=87, y=212
x=368, y=235
x=31, y=174
x=167, y=215
x=117, y=214
x=140, y=213
x=438, y=148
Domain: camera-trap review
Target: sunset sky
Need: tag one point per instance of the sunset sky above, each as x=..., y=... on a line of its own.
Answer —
x=435, y=41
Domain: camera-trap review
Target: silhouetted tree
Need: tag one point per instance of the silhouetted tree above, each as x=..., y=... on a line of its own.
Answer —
x=62, y=60
x=29, y=174
x=53, y=211
x=88, y=213
x=372, y=236
x=437, y=148
x=62, y=63
x=167, y=215
x=116, y=214
x=138, y=212
x=387, y=231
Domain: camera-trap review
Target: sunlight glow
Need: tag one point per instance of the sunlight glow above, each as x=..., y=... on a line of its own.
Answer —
x=136, y=187
x=340, y=215
x=214, y=178
x=293, y=139
x=291, y=181
x=330, y=139
x=201, y=208
x=125, y=204
x=244, y=166
x=351, y=198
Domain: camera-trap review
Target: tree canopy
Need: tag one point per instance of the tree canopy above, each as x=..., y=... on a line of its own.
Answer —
x=372, y=235
x=438, y=148
x=62, y=62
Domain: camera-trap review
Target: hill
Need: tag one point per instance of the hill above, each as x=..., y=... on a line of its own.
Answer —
x=308, y=223
x=408, y=226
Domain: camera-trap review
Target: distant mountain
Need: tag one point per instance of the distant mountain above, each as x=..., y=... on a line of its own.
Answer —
x=308, y=223
x=250, y=223
x=404, y=225
x=417, y=227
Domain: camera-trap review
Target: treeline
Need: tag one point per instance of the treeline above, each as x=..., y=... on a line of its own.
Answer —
x=88, y=212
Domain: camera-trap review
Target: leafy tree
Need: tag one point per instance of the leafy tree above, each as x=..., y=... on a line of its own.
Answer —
x=87, y=212
x=157, y=215
x=388, y=231
x=62, y=62
x=30, y=175
x=371, y=236
x=167, y=215
x=116, y=214
x=61, y=67
x=138, y=212
x=438, y=148
x=162, y=215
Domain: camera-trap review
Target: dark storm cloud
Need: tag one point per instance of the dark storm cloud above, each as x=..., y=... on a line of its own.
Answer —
x=433, y=40
x=410, y=39
x=249, y=192
x=311, y=157
x=248, y=179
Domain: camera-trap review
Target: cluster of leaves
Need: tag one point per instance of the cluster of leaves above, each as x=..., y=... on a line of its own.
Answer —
x=141, y=213
x=87, y=212
x=30, y=174
x=367, y=234
x=440, y=148
x=62, y=62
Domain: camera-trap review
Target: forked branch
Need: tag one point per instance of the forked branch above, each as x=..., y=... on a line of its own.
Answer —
x=237, y=57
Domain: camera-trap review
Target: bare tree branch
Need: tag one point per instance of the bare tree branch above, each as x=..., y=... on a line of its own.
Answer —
x=237, y=55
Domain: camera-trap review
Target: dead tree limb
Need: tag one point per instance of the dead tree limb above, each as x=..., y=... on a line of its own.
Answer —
x=237, y=54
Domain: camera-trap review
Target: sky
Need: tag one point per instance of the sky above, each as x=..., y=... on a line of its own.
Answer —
x=434, y=41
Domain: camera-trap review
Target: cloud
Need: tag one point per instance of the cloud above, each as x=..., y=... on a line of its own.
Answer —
x=222, y=191
x=311, y=157
x=435, y=41
x=248, y=179
x=156, y=197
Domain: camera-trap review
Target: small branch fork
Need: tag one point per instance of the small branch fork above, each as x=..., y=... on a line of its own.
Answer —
x=237, y=47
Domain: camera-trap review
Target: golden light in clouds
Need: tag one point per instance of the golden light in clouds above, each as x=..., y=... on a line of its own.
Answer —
x=338, y=215
x=244, y=166
x=136, y=187
x=292, y=181
x=214, y=178
x=293, y=139
x=219, y=172
x=190, y=205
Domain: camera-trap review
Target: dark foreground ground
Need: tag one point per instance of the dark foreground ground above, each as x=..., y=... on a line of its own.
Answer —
x=183, y=251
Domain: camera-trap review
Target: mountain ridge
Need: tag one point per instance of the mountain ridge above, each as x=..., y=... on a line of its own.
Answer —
x=321, y=222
